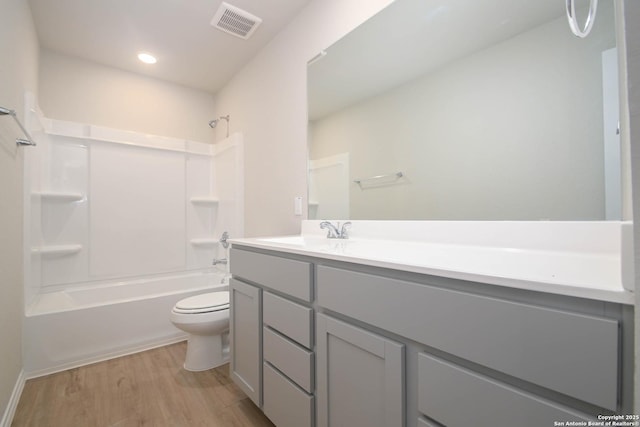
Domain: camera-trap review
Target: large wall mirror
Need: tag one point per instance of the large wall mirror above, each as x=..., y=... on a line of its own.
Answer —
x=467, y=110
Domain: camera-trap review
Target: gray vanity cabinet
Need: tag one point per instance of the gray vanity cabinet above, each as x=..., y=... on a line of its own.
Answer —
x=317, y=341
x=279, y=358
x=472, y=349
x=360, y=376
x=245, y=321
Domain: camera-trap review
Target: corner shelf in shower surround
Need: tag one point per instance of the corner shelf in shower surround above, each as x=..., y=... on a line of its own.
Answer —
x=203, y=242
x=59, y=197
x=204, y=201
x=57, y=250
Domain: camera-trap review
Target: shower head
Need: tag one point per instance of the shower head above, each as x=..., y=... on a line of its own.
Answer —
x=213, y=123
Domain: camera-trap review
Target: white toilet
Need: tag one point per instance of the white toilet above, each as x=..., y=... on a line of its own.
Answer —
x=206, y=318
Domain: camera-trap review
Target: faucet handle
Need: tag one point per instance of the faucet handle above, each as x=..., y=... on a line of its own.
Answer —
x=344, y=231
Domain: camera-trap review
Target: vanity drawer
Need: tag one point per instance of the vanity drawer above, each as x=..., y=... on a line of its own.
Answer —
x=289, y=318
x=424, y=423
x=285, y=403
x=455, y=396
x=285, y=275
x=571, y=353
x=291, y=359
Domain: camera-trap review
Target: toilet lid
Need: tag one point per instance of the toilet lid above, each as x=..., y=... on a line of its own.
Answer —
x=213, y=301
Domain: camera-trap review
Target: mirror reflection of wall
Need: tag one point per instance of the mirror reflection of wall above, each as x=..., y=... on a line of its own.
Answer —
x=329, y=182
x=510, y=131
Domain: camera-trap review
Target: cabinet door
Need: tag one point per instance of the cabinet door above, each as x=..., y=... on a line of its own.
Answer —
x=360, y=377
x=245, y=333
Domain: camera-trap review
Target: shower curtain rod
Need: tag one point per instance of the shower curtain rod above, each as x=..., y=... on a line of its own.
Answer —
x=20, y=141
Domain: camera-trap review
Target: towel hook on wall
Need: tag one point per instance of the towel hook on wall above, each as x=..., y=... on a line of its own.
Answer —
x=573, y=19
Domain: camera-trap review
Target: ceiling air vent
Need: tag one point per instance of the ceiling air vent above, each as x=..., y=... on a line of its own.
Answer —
x=235, y=21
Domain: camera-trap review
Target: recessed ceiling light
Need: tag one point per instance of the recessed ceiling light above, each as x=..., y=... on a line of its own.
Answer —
x=147, y=58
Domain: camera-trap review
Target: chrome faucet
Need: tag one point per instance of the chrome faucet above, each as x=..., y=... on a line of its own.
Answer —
x=217, y=261
x=334, y=231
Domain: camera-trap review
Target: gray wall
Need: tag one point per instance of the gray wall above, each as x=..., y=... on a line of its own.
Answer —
x=18, y=72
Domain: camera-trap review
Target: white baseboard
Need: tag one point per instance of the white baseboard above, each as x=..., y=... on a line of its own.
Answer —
x=10, y=410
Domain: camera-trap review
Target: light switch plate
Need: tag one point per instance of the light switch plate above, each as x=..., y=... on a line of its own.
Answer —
x=297, y=205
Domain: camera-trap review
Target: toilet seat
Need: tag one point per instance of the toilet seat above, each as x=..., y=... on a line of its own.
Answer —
x=204, y=303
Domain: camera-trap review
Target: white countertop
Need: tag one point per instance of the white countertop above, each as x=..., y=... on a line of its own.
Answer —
x=593, y=274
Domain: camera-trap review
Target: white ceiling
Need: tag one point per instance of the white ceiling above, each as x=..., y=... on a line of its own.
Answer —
x=190, y=51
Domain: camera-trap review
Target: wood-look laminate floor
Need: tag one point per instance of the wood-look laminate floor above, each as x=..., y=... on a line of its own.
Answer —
x=144, y=389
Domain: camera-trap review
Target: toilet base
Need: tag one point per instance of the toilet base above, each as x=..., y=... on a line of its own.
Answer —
x=205, y=352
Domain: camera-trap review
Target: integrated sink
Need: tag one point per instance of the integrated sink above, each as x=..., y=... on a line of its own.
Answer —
x=308, y=243
x=285, y=240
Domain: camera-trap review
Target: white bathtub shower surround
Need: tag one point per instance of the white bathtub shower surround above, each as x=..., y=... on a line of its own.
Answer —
x=108, y=203
x=119, y=225
x=90, y=323
x=582, y=259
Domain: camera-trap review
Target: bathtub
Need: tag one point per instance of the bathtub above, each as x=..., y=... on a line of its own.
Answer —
x=90, y=323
